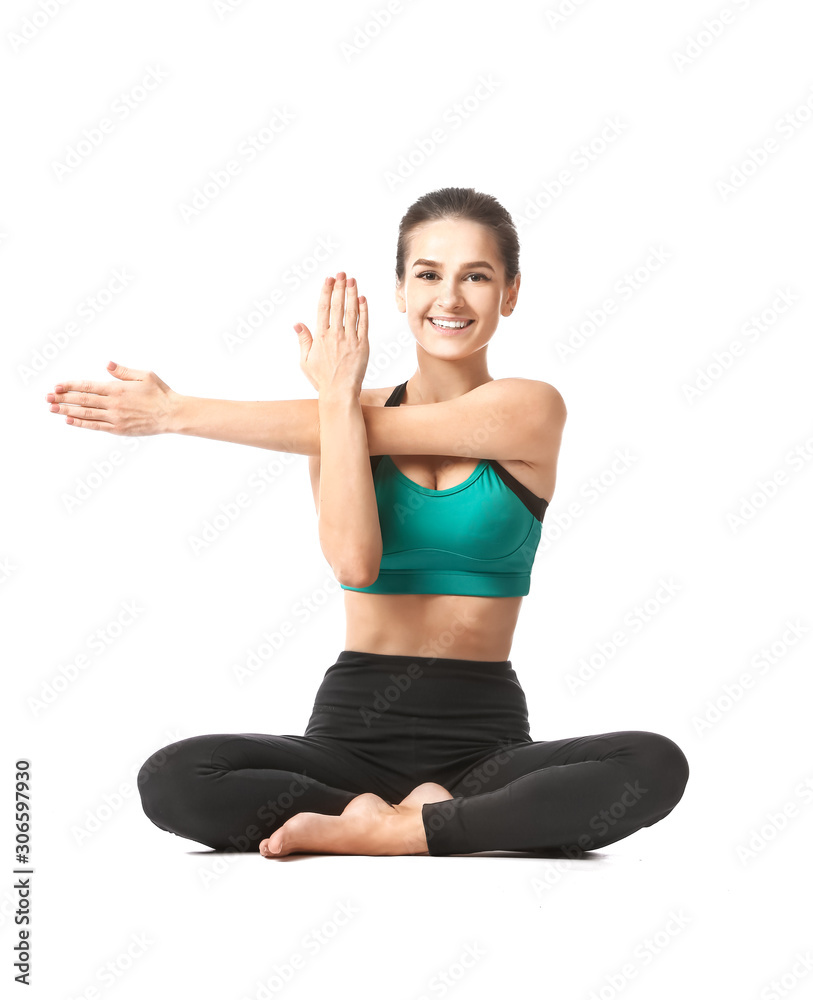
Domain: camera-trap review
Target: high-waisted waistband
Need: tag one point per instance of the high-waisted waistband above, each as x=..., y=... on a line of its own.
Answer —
x=467, y=699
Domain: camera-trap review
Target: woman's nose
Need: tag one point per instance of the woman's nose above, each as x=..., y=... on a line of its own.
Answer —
x=448, y=295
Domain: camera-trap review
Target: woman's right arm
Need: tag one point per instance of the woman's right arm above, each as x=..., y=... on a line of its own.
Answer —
x=142, y=404
x=509, y=418
x=290, y=425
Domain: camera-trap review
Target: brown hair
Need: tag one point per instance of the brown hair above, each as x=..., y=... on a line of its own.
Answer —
x=461, y=203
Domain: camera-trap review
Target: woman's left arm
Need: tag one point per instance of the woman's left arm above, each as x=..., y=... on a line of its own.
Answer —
x=349, y=527
x=335, y=362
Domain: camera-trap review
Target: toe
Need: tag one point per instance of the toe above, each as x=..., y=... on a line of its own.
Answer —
x=273, y=847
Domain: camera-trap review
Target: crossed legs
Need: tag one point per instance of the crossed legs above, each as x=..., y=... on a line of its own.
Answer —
x=252, y=791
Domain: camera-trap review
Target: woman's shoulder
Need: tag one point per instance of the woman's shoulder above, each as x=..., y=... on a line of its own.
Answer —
x=542, y=387
x=542, y=390
x=530, y=393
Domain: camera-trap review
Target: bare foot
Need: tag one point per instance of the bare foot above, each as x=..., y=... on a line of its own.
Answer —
x=368, y=825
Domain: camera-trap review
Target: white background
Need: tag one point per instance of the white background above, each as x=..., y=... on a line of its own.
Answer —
x=695, y=105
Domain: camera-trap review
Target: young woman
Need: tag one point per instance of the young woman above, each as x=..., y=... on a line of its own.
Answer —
x=430, y=498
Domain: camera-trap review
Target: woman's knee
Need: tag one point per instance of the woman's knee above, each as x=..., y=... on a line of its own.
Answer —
x=662, y=764
x=165, y=777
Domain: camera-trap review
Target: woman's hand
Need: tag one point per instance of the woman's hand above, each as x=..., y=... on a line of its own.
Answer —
x=337, y=356
x=138, y=405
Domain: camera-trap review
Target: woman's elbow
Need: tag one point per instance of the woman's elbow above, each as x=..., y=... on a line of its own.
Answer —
x=360, y=574
x=357, y=580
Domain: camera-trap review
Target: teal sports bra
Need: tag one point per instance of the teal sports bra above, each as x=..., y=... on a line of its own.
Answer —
x=478, y=538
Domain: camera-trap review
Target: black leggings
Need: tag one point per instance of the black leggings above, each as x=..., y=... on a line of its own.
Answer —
x=385, y=723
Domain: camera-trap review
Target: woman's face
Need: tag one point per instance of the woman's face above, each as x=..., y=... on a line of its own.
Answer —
x=453, y=270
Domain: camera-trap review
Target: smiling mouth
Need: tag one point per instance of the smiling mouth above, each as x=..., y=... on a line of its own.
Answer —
x=450, y=325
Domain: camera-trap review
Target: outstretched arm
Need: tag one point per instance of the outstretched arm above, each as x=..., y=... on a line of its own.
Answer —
x=507, y=418
x=142, y=404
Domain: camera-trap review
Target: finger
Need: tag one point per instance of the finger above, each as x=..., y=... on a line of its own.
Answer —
x=93, y=425
x=85, y=412
x=363, y=318
x=129, y=374
x=305, y=341
x=352, y=314
x=323, y=309
x=99, y=388
x=77, y=398
x=337, y=302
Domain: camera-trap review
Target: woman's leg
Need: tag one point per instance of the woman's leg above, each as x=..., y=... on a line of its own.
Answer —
x=575, y=794
x=230, y=791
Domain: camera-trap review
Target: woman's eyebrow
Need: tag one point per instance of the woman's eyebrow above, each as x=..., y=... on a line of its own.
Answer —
x=434, y=263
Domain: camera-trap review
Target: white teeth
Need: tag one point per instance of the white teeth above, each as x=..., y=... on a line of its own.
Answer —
x=456, y=325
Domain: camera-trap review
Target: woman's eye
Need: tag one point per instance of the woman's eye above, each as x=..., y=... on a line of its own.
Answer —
x=474, y=274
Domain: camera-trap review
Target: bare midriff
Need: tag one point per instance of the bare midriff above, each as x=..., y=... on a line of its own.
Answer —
x=452, y=626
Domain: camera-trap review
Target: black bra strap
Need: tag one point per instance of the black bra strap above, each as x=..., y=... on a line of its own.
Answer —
x=536, y=505
x=397, y=395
